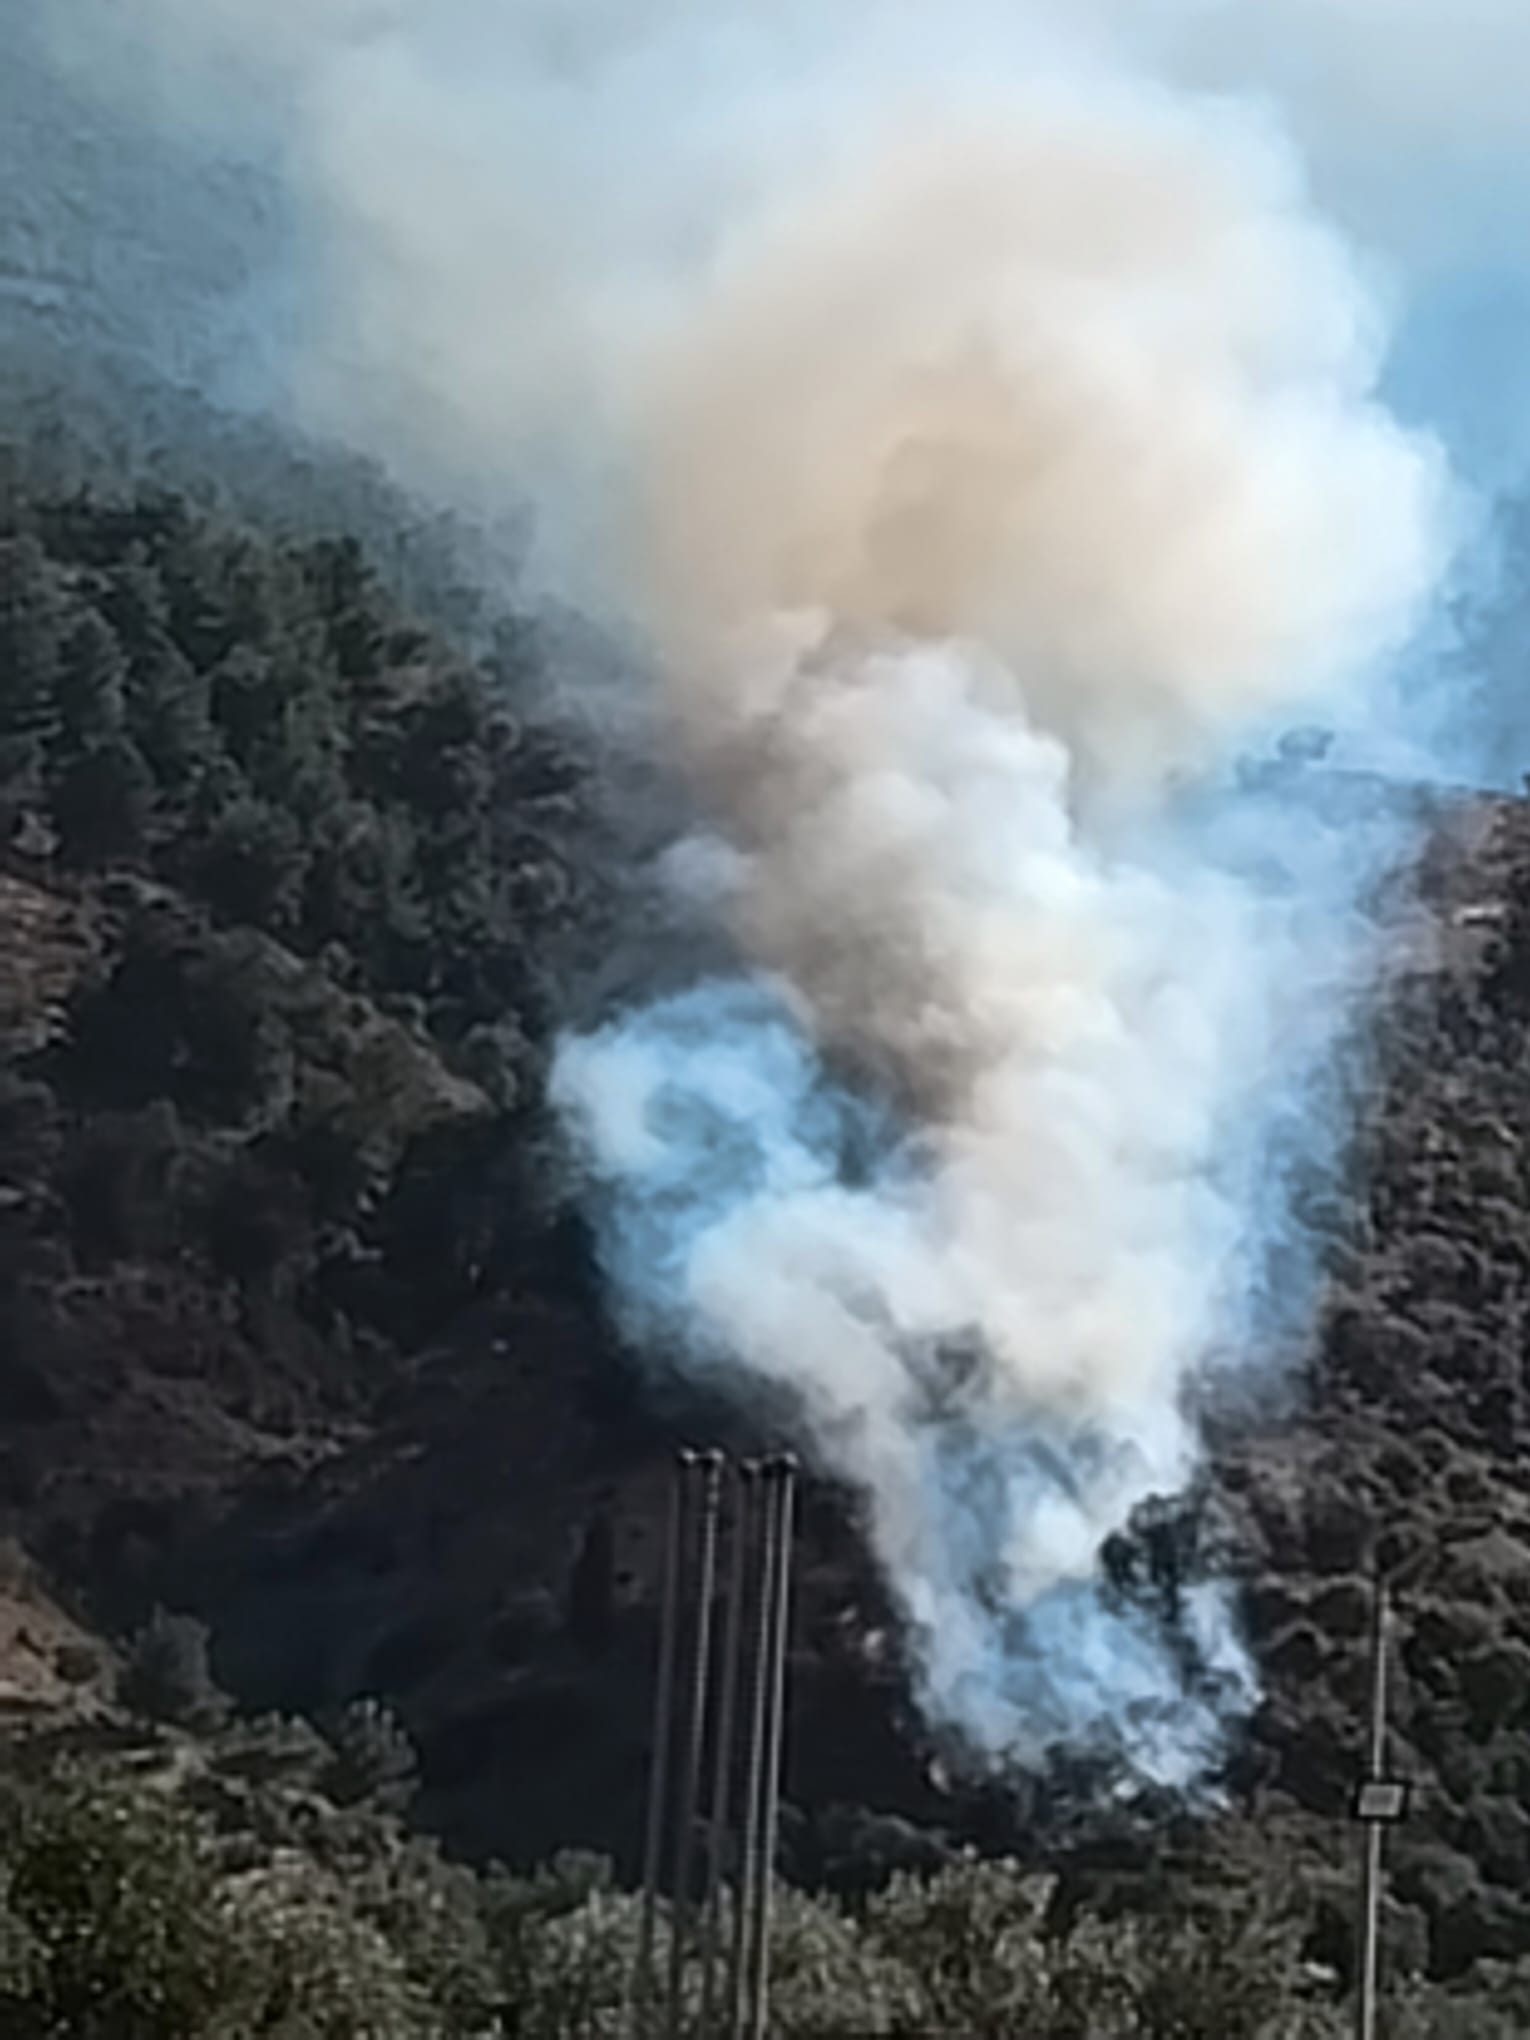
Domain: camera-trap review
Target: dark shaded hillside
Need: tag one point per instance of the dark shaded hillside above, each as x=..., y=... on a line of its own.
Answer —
x=293, y=1333
x=282, y=880
x=1411, y=1440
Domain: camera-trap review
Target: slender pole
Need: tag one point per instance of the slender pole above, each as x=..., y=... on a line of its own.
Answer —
x=1370, y=1882
x=754, y=1767
x=745, y=1493
x=711, y=1464
x=785, y=1471
x=641, y=1983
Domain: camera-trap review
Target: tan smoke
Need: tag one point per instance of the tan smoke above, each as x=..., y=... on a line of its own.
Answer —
x=984, y=437
x=1004, y=474
x=1087, y=388
x=1084, y=395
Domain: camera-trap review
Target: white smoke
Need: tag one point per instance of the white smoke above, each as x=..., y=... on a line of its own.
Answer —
x=1021, y=472
x=597, y=148
x=983, y=437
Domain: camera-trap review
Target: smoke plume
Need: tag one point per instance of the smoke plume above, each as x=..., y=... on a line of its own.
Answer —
x=979, y=432
x=1012, y=481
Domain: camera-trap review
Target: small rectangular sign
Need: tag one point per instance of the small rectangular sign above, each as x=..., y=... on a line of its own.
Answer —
x=1382, y=1799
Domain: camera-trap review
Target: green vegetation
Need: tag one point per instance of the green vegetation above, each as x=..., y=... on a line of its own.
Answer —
x=288, y=883
x=156, y=1886
x=167, y=1676
x=285, y=878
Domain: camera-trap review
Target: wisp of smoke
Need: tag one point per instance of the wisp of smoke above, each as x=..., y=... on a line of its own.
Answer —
x=983, y=441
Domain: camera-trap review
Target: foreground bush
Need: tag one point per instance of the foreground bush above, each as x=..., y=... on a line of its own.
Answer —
x=184, y=1890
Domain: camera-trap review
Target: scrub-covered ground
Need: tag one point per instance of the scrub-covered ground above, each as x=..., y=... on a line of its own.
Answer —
x=299, y=1336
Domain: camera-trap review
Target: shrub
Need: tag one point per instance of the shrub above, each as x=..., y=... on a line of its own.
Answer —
x=111, y=1925
x=374, y=1759
x=166, y=1675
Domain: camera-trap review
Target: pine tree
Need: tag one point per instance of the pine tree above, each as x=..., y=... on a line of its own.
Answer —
x=102, y=801
x=89, y=686
x=32, y=622
x=374, y=1758
x=168, y=716
x=251, y=866
x=167, y=1675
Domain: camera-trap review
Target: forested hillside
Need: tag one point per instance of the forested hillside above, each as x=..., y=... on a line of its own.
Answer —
x=298, y=1335
x=282, y=876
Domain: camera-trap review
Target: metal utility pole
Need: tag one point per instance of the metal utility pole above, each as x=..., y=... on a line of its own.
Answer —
x=783, y=1473
x=758, y=1607
x=711, y=1469
x=1379, y=1803
x=640, y=1988
x=745, y=1508
x=745, y=1905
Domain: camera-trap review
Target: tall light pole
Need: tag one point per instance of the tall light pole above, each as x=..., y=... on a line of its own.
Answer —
x=782, y=1473
x=1380, y=1803
x=640, y=1983
x=749, y=1681
x=710, y=1466
x=746, y=1487
x=757, y=1737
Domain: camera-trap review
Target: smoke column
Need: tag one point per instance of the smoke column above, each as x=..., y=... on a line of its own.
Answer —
x=980, y=436
x=1002, y=490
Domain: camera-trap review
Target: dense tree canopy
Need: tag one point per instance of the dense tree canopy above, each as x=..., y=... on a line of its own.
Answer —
x=288, y=878
x=304, y=871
